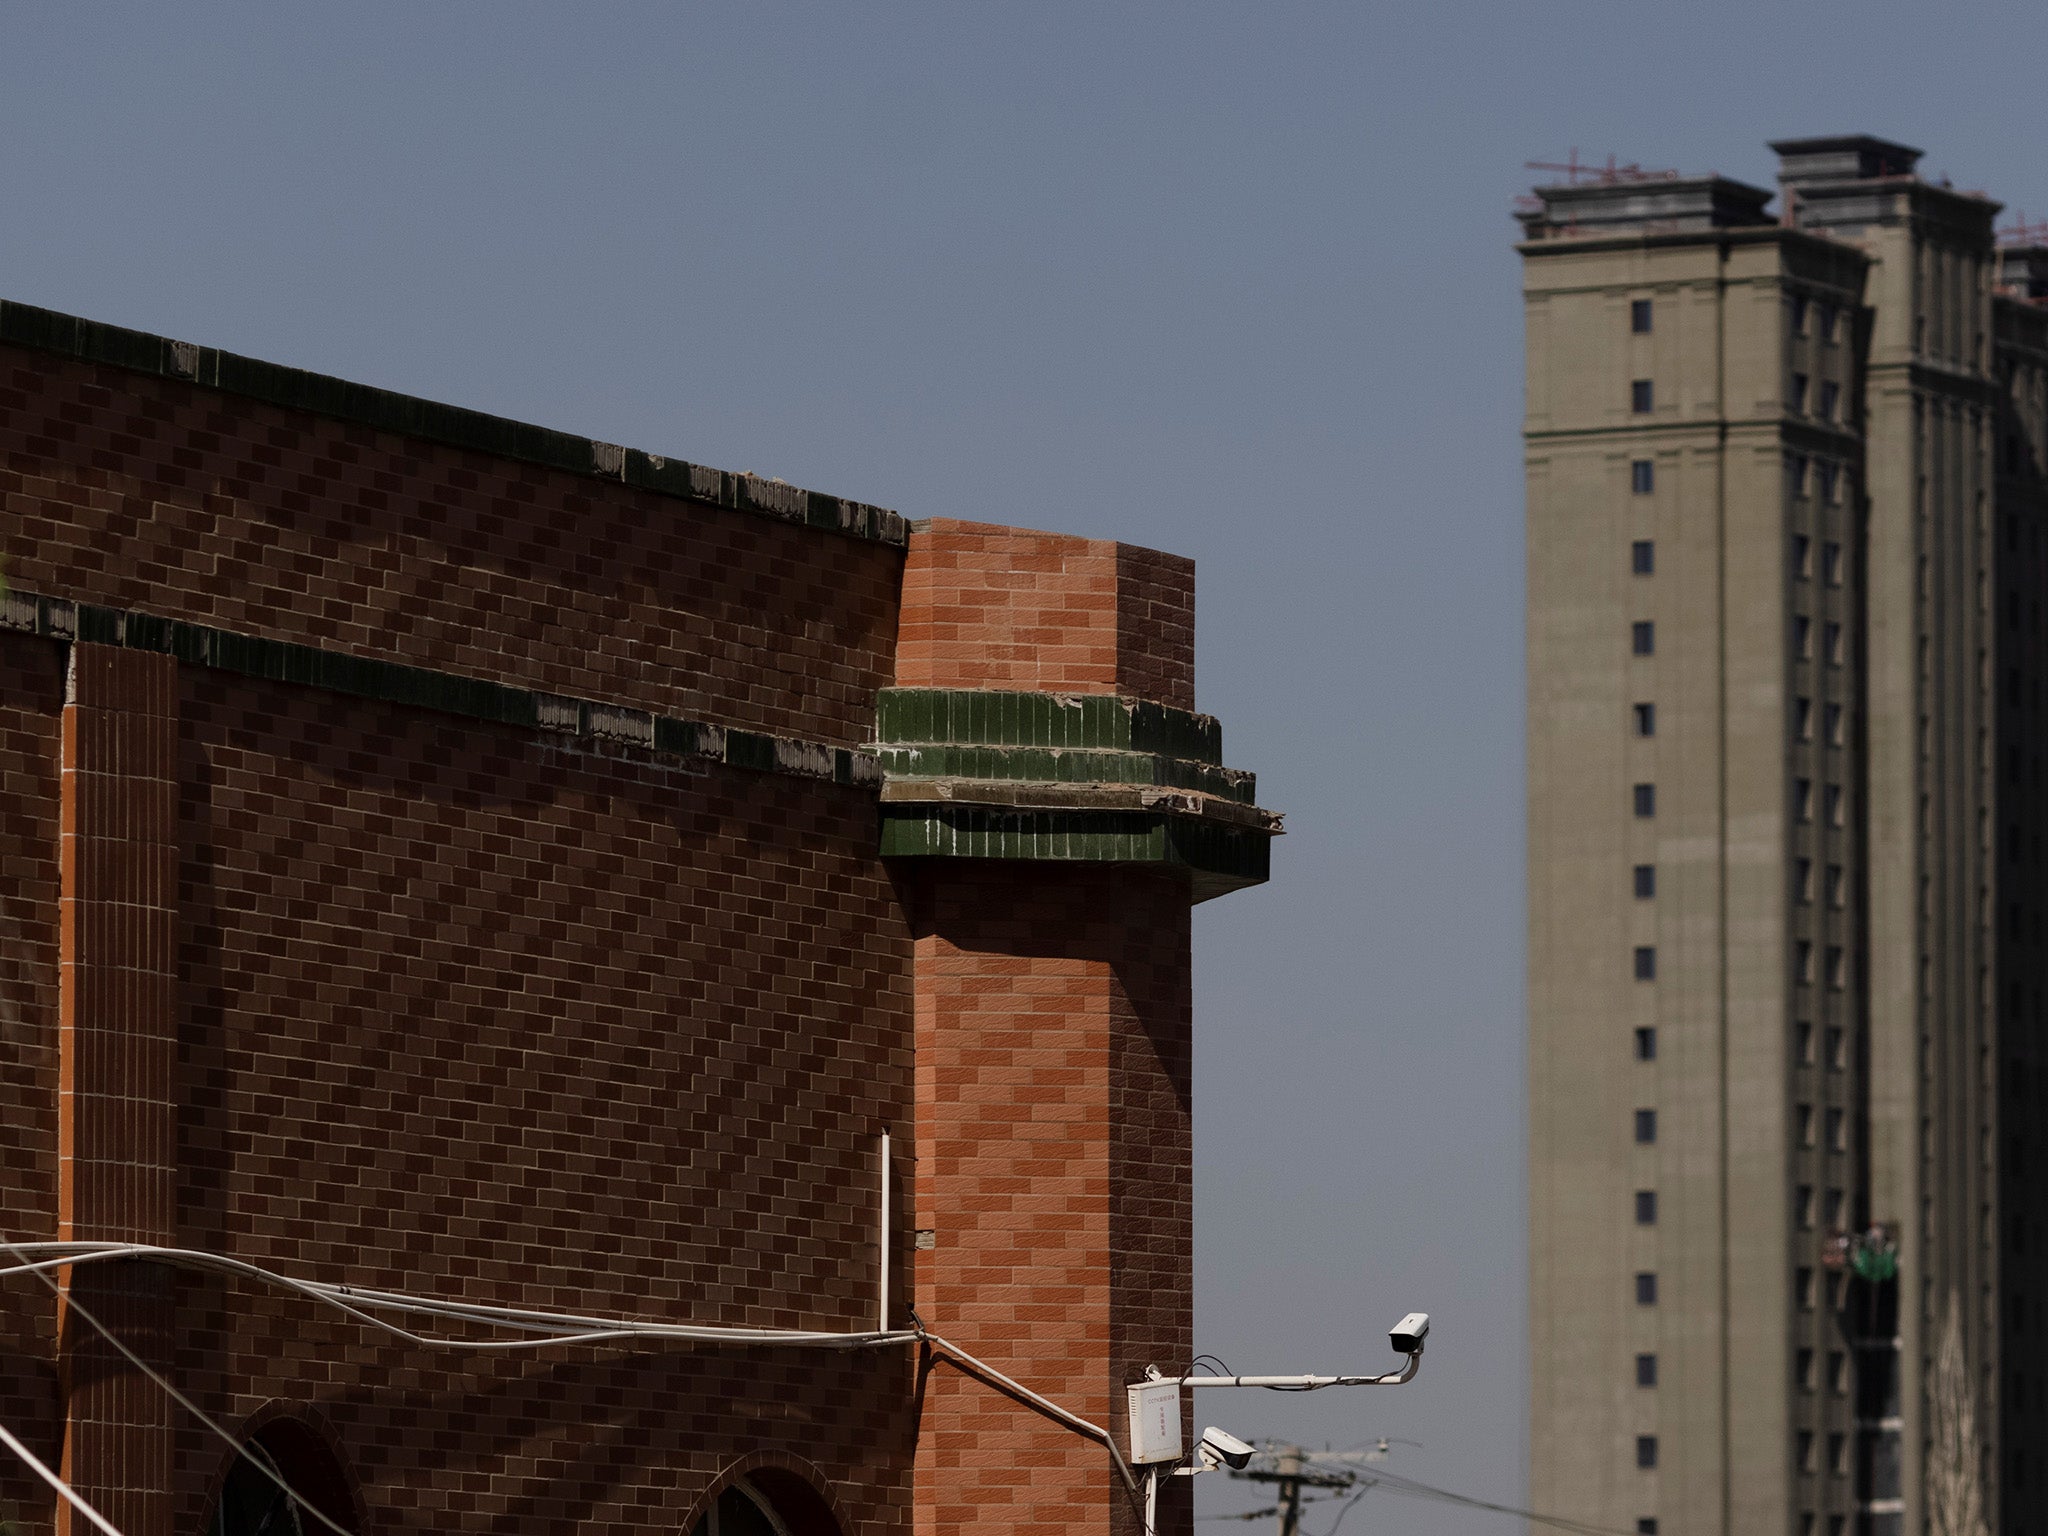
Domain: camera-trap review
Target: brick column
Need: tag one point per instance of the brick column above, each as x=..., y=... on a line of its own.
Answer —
x=116, y=1128
x=1053, y=1161
x=1046, y=844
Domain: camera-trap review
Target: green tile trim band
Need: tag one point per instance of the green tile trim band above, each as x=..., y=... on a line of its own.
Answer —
x=472, y=698
x=1226, y=857
x=296, y=389
x=974, y=717
x=1065, y=765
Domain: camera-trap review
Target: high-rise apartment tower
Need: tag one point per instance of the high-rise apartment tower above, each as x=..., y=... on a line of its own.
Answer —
x=1788, y=899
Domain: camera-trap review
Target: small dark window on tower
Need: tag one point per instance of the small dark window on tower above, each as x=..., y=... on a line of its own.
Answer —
x=1799, y=466
x=1802, y=962
x=1802, y=1450
x=1646, y=1043
x=1646, y=1451
x=1646, y=962
x=1802, y=1044
x=1639, y=316
x=1838, y=1454
x=1831, y=563
x=1642, y=396
x=1802, y=1370
x=1838, y=1372
x=1646, y=800
x=1646, y=1207
x=1646, y=1127
x=1646, y=881
x=1831, y=1208
x=1834, y=804
x=1642, y=557
x=1643, y=638
x=1646, y=1290
x=1831, y=484
x=1802, y=800
x=1645, y=719
x=1831, y=643
x=1802, y=1289
x=1802, y=881
x=1803, y=1123
x=1798, y=393
x=1646, y=1370
x=1837, y=1051
x=1802, y=556
x=1798, y=314
x=1642, y=477
x=1802, y=719
x=1831, y=725
x=1830, y=396
x=1802, y=637
x=1838, y=1131
x=1646, y=1525
x=1828, y=314
x=1802, y=1206
x=1838, y=887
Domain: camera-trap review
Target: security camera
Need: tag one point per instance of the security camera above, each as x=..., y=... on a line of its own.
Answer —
x=1220, y=1447
x=1409, y=1333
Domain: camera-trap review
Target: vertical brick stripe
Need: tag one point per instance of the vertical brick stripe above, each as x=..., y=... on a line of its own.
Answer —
x=116, y=1046
x=31, y=730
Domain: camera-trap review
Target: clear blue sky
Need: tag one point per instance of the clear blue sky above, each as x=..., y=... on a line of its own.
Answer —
x=1231, y=281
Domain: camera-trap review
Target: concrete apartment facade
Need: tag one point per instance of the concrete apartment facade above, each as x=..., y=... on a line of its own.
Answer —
x=450, y=857
x=1785, y=547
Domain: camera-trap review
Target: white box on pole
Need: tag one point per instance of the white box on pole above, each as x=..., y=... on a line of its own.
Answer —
x=1155, y=1422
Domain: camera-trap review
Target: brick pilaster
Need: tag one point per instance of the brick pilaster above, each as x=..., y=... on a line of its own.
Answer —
x=117, y=1050
x=1052, y=1012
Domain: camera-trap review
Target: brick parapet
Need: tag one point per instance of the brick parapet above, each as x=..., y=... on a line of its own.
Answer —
x=294, y=517
x=1012, y=608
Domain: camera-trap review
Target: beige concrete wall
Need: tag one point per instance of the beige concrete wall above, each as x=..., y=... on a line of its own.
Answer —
x=1724, y=1083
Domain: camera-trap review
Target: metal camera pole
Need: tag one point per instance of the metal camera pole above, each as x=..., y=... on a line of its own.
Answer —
x=1155, y=1425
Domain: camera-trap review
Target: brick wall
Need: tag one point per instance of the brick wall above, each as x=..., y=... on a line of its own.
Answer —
x=545, y=1018
x=1010, y=608
x=149, y=493
x=469, y=1014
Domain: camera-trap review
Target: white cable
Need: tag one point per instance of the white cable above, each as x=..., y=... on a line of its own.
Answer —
x=555, y=1328
x=261, y=1464
x=70, y=1495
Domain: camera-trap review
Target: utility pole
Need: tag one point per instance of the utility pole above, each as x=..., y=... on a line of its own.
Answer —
x=1292, y=1474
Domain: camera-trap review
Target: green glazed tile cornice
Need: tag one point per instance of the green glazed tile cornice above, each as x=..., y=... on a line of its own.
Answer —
x=1089, y=778
x=993, y=718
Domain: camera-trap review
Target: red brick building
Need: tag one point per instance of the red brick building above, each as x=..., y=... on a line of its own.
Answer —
x=445, y=856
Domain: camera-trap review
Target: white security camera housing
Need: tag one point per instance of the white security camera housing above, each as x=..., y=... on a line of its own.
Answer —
x=1221, y=1448
x=1407, y=1335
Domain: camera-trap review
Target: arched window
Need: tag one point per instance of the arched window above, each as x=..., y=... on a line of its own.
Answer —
x=289, y=1450
x=740, y=1511
x=769, y=1500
